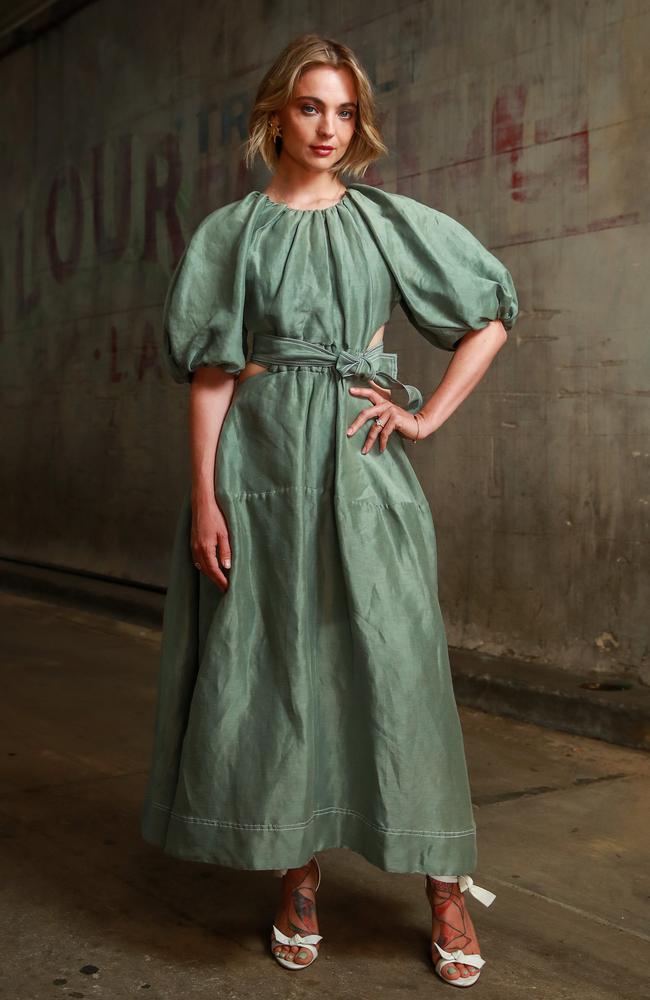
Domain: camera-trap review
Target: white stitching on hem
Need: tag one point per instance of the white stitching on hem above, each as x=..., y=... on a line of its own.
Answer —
x=318, y=812
x=325, y=490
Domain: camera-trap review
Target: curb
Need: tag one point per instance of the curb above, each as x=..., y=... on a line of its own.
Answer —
x=533, y=692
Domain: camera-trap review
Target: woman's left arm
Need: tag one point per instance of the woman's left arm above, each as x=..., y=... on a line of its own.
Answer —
x=471, y=360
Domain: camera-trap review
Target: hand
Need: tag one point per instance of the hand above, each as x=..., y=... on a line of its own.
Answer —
x=209, y=541
x=393, y=417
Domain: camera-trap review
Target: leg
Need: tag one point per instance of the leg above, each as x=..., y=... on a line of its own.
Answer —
x=297, y=910
x=452, y=925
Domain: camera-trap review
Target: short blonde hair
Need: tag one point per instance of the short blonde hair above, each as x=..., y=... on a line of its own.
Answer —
x=277, y=88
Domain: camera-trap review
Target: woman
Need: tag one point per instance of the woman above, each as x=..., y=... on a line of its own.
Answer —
x=305, y=697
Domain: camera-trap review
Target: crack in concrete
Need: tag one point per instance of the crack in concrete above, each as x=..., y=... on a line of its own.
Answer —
x=567, y=906
x=489, y=800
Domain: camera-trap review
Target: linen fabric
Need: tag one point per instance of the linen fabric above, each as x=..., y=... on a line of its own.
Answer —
x=311, y=704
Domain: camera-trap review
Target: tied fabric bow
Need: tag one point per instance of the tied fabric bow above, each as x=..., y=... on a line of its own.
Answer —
x=373, y=364
x=459, y=956
x=366, y=365
x=356, y=364
x=296, y=938
x=466, y=883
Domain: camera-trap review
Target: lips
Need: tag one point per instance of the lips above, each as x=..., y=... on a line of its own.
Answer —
x=324, y=149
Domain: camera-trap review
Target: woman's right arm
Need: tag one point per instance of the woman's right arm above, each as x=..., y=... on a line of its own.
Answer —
x=211, y=393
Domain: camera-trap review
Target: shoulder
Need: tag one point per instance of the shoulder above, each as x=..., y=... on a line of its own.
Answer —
x=223, y=224
x=399, y=215
x=402, y=215
x=393, y=202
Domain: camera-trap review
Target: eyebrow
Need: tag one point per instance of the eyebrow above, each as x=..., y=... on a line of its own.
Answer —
x=317, y=100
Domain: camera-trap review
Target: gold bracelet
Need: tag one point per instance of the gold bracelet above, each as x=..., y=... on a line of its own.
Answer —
x=415, y=439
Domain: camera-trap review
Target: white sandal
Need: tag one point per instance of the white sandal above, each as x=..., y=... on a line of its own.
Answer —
x=457, y=955
x=308, y=941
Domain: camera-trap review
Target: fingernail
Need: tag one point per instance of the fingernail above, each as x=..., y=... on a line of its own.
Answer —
x=226, y=563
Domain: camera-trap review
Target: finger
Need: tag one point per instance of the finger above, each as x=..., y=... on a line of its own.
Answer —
x=223, y=550
x=368, y=411
x=213, y=569
x=372, y=436
x=196, y=556
x=383, y=433
x=386, y=432
x=366, y=393
x=386, y=393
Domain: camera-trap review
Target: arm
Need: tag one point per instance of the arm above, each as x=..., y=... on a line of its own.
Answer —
x=471, y=360
x=210, y=396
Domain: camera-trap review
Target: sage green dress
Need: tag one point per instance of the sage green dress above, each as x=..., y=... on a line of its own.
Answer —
x=311, y=705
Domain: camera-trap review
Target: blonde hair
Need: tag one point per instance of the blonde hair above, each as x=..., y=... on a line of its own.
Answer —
x=276, y=90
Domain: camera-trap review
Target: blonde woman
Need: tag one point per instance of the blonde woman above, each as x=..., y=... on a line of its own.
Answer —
x=305, y=698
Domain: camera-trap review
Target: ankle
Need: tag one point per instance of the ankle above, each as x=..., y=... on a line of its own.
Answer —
x=307, y=871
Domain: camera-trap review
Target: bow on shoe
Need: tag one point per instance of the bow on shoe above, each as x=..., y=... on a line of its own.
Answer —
x=296, y=938
x=458, y=955
x=484, y=896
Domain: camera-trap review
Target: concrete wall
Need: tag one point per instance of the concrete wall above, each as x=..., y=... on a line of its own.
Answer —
x=120, y=129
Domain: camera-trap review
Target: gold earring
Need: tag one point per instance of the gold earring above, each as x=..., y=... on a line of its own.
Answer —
x=274, y=129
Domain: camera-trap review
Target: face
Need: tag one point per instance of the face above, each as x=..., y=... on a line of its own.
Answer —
x=322, y=112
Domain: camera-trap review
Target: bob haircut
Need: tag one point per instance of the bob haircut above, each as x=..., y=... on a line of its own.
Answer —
x=277, y=88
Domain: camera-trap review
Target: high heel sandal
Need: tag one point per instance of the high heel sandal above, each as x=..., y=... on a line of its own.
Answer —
x=308, y=941
x=457, y=955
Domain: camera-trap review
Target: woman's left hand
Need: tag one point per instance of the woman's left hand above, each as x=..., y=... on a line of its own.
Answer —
x=392, y=416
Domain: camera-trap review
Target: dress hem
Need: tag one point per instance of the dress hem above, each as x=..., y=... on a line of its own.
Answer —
x=453, y=853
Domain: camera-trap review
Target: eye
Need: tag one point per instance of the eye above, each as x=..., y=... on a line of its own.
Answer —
x=310, y=107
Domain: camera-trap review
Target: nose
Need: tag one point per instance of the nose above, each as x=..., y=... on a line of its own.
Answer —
x=326, y=129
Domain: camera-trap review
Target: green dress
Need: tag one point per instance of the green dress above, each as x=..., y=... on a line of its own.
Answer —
x=311, y=705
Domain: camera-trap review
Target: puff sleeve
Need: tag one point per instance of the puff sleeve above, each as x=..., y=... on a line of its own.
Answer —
x=203, y=312
x=448, y=282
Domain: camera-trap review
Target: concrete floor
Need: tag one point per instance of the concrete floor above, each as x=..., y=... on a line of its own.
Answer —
x=90, y=910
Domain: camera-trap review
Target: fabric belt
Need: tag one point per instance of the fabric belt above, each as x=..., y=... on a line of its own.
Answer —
x=373, y=364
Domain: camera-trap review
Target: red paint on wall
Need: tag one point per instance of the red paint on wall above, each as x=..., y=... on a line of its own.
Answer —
x=508, y=136
x=112, y=246
x=148, y=359
x=160, y=197
x=580, y=150
x=67, y=182
x=531, y=171
x=557, y=157
x=508, y=119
